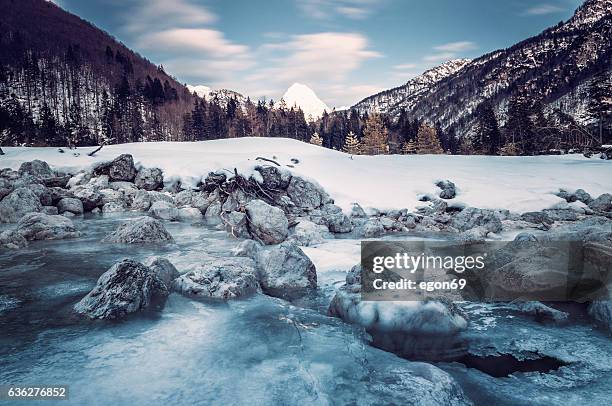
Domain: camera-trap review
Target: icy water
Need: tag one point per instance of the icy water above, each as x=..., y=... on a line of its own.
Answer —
x=256, y=351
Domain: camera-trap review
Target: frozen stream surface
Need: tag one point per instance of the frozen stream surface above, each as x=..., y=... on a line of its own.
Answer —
x=261, y=350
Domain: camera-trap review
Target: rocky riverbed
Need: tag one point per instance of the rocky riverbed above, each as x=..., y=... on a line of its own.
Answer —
x=121, y=270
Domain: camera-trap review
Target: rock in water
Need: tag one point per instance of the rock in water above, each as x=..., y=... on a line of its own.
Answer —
x=449, y=190
x=601, y=312
x=71, y=205
x=267, y=223
x=222, y=278
x=119, y=169
x=285, y=271
x=307, y=233
x=89, y=196
x=164, y=211
x=40, y=226
x=11, y=239
x=472, y=217
x=127, y=287
x=140, y=231
x=18, y=203
x=306, y=194
x=163, y=269
x=150, y=179
x=603, y=203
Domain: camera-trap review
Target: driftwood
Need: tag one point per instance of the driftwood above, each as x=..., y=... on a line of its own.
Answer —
x=92, y=153
x=259, y=158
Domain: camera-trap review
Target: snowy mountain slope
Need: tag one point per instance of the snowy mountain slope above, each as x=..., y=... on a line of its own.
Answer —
x=405, y=96
x=222, y=95
x=548, y=67
x=384, y=181
x=304, y=97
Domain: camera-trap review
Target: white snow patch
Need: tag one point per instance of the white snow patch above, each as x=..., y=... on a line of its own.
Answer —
x=385, y=182
x=304, y=97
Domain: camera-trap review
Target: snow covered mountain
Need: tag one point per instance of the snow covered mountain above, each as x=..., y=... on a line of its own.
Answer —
x=304, y=97
x=554, y=68
x=406, y=95
x=222, y=95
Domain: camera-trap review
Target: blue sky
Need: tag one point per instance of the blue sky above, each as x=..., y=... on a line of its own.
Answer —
x=344, y=49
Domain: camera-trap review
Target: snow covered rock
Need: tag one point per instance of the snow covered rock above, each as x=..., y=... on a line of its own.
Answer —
x=372, y=228
x=247, y=248
x=307, y=233
x=149, y=179
x=163, y=269
x=11, y=239
x=119, y=169
x=99, y=182
x=274, y=178
x=357, y=211
x=184, y=198
x=113, y=207
x=213, y=212
x=37, y=168
x=40, y=226
x=164, y=211
x=305, y=194
x=423, y=329
x=18, y=203
x=127, y=287
x=449, y=190
x=142, y=201
x=583, y=196
x=267, y=223
x=72, y=205
x=333, y=217
x=471, y=217
x=285, y=271
x=603, y=203
x=190, y=214
x=139, y=231
x=601, y=312
x=89, y=195
x=221, y=278
x=200, y=201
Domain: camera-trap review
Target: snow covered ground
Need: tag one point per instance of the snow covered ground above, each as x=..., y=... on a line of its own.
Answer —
x=516, y=183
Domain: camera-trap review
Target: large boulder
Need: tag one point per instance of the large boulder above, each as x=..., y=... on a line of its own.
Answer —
x=119, y=169
x=372, y=228
x=307, y=233
x=164, y=211
x=273, y=178
x=190, y=214
x=537, y=217
x=72, y=205
x=184, y=198
x=127, y=287
x=285, y=271
x=200, y=201
x=163, y=268
x=305, y=194
x=37, y=168
x=267, y=223
x=18, y=203
x=236, y=224
x=221, y=278
x=413, y=329
x=473, y=217
x=449, y=190
x=603, y=203
x=142, y=201
x=332, y=216
x=6, y=187
x=150, y=179
x=601, y=312
x=89, y=195
x=140, y=231
x=40, y=226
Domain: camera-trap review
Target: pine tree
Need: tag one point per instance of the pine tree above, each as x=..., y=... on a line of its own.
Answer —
x=510, y=149
x=599, y=107
x=488, y=136
x=316, y=139
x=427, y=140
x=409, y=148
x=375, y=136
x=351, y=144
x=519, y=125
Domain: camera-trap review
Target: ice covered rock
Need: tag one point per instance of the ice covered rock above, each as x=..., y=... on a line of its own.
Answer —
x=221, y=278
x=11, y=239
x=119, y=169
x=149, y=179
x=306, y=194
x=473, y=217
x=72, y=205
x=307, y=233
x=285, y=271
x=602, y=204
x=99, y=182
x=267, y=223
x=164, y=211
x=18, y=203
x=163, y=268
x=127, y=287
x=139, y=231
x=40, y=226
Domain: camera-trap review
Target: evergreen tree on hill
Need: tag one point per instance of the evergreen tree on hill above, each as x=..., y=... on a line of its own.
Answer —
x=375, y=136
x=427, y=140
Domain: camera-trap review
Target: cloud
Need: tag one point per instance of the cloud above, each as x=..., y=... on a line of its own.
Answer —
x=328, y=9
x=449, y=51
x=405, y=66
x=543, y=9
x=209, y=41
x=156, y=14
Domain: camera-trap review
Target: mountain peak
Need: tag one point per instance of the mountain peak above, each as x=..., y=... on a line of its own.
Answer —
x=305, y=98
x=588, y=13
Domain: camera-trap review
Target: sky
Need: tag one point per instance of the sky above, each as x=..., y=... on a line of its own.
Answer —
x=344, y=50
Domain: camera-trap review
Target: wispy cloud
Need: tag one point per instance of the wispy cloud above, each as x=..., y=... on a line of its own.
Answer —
x=158, y=14
x=543, y=9
x=328, y=9
x=451, y=50
x=209, y=41
x=405, y=66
